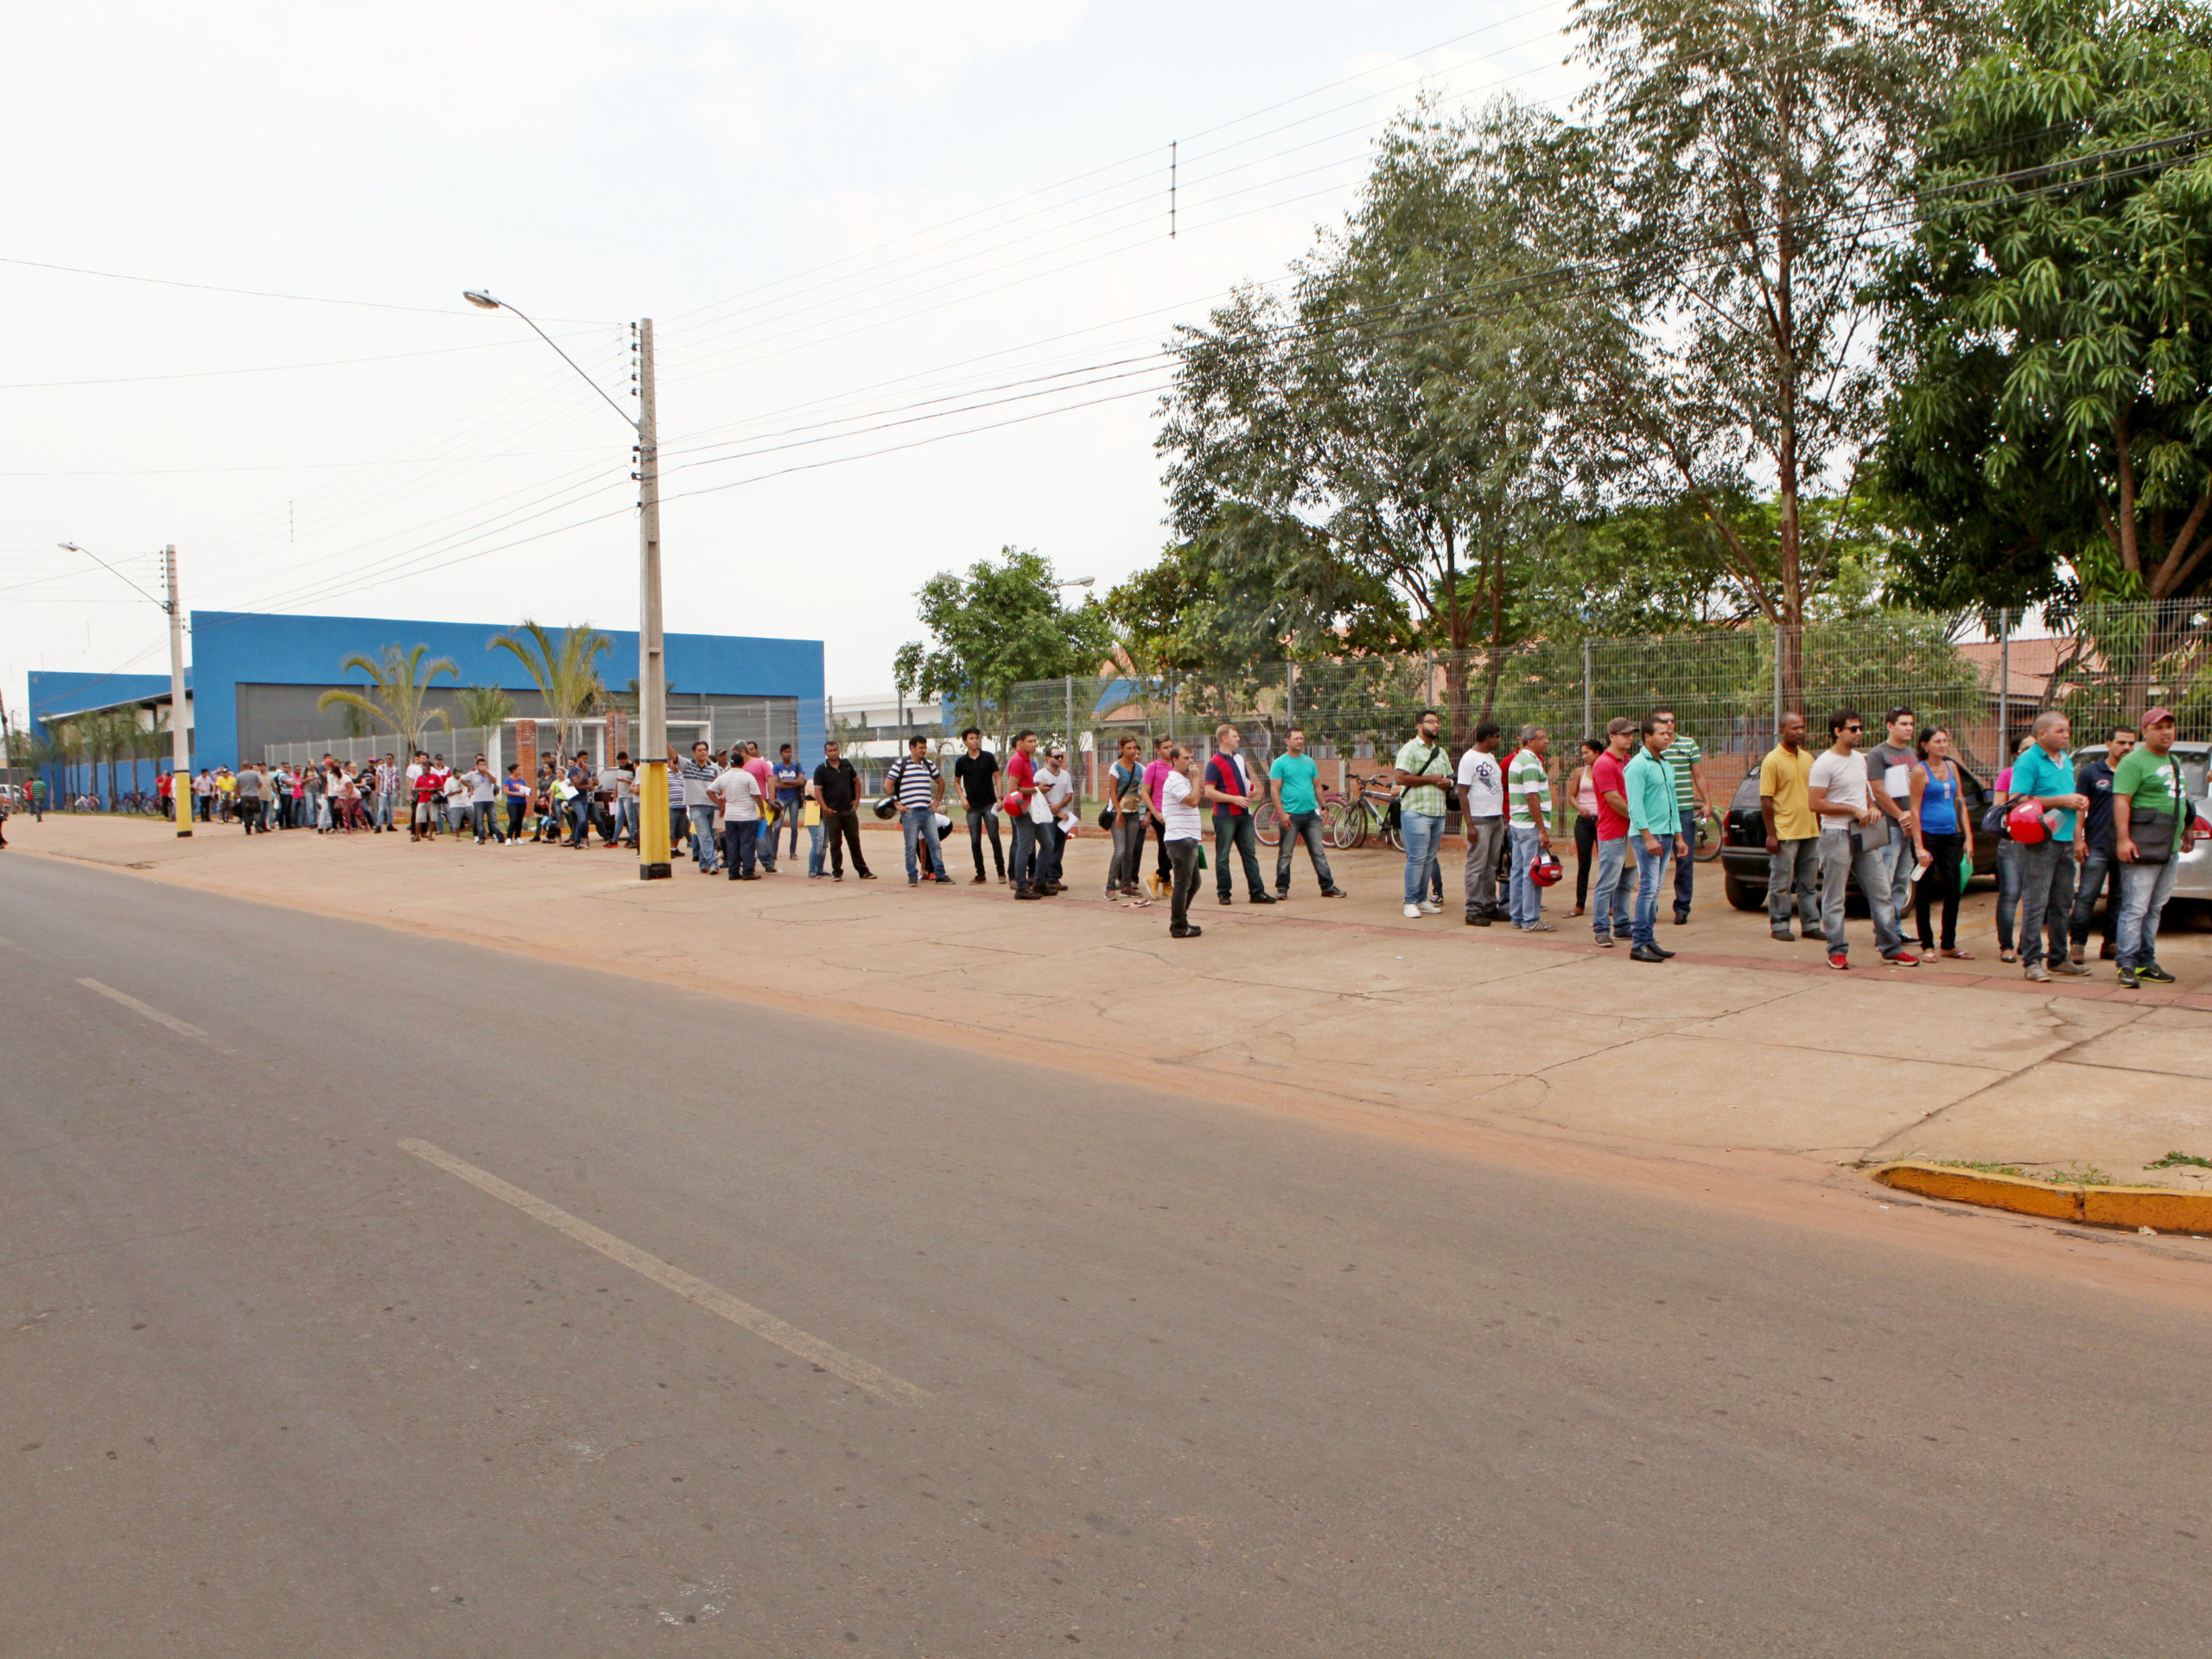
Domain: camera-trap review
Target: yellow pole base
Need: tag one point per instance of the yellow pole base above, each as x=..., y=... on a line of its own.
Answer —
x=652, y=820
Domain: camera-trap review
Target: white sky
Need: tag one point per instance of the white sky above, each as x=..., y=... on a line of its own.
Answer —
x=830, y=211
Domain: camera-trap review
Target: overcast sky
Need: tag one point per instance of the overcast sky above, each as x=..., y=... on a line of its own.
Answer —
x=868, y=216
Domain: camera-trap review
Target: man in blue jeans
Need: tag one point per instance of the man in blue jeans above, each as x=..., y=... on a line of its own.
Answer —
x=919, y=786
x=2152, y=827
x=697, y=773
x=1422, y=770
x=791, y=783
x=1609, y=916
x=1236, y=792
x=1655, y=827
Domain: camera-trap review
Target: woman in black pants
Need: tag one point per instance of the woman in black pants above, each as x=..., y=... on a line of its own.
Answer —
x=1582, y=790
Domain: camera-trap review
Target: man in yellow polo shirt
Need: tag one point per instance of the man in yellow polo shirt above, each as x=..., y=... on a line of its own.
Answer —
x=1793, y=833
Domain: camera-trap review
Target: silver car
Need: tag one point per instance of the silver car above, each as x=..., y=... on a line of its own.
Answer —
x=2194, y=879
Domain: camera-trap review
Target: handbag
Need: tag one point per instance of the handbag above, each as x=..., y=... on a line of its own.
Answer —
x=1106, y=818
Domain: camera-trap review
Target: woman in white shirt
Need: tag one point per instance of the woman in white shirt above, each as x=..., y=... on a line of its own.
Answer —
x=1179, y=811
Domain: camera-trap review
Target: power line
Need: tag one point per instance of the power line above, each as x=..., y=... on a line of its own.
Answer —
x=255, y=293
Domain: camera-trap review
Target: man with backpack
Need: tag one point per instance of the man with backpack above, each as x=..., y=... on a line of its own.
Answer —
x=919, y=786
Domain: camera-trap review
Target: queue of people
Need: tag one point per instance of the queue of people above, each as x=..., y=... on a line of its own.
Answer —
x=1881, y=816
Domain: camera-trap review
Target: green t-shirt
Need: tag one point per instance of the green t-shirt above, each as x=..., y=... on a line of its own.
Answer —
x=1425, y=759
x=1293, y=775
x=2152, y=782
x=1680, y=755
x=1525, y=772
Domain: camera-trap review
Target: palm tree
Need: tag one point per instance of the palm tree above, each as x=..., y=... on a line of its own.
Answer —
x=110, y=739
x=403, y=681
x=486, y=705
x=565, y=671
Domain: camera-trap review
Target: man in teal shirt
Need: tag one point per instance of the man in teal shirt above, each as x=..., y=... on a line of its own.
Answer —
x=1299, y=805
x=2044, y=777
x=1655, y=830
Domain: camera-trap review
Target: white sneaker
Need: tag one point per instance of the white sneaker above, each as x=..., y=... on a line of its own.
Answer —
x=1428, y=909
x=1413, y=911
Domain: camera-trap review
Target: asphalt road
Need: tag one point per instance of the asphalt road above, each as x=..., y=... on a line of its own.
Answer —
x=1138, y=1374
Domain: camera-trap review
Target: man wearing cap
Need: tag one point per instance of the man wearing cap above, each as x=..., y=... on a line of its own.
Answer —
x=2042, y=779
x=2150, y=830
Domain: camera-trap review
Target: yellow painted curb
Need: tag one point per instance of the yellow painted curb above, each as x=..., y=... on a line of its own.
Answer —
x=2160, y=1207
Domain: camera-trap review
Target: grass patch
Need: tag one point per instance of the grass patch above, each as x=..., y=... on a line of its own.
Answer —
x=2175, y=1159
x=1981, y=1168
x=2087, y=1175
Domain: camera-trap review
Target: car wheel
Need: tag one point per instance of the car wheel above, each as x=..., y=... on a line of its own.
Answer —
x=1743, y=895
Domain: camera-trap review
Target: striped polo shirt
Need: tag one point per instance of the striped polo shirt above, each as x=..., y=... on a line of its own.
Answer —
x=917, y=783
x=1680, y=755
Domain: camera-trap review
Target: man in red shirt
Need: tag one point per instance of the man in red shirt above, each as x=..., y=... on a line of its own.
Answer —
x=1235, y=790
x=1608, y=918
x=1020, y=795
x=429, y=796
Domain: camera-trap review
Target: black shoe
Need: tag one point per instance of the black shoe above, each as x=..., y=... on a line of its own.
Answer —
x=1681, y=917
x=2129, y=979
x=1260, y=898
x=1783, y=937
x=1663, y=951
x=2152, y=970
x=1027, y=892
x=1185, y=932
x=1478, y=919
x=867, y=875
x=1332, y=893
x=1647, y=953
x=1227, y=899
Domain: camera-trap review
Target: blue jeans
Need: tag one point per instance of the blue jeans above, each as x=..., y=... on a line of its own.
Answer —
x=1686, y=868
x=1650, y=876
x=1296, y=826
x=1420, y=833
x=2099, y=868
x=1838, y=865
x=920, y=822
x=789, y=811
x=626, y=818
x=2008, y=889
x=1022, y=866
x=1608, y=904
x=740, y=835
x=2046, y=900
x=702, y=837
x=2144, y=889
x=1524, y=900
x=813, y=848
x=1237, y=832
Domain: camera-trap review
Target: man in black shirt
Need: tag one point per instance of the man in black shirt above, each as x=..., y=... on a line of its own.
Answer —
x=975, y=772
x=836, y=785
x=2094, y=841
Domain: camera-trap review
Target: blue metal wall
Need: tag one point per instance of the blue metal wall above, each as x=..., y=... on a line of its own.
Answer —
x=230, y=648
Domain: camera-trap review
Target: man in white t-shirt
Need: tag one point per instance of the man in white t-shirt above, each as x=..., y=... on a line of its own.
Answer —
x=1052, y=807
x=1845, y=808
x=484, y=802
x=1178, y=816
x=736, y=792
x=1482, y=814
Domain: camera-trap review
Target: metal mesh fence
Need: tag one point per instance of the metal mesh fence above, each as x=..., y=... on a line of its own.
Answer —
x=1985, y=684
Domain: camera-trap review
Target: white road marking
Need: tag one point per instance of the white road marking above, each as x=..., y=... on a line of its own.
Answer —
x=897, y=1391
x=154, y=1015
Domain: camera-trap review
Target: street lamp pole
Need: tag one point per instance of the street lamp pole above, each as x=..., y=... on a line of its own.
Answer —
x=652, y=663
x=180, y=730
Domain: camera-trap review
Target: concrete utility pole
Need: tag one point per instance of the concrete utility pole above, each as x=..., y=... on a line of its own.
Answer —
x=652, y=663
x=653, y=660
x=179, y=728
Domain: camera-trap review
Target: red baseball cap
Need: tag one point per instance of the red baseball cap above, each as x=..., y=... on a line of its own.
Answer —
x=2152, y=716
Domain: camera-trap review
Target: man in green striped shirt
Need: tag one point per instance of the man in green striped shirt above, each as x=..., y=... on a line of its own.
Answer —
x=1686, y=761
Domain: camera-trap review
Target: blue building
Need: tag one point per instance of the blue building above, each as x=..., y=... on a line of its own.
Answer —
x=255, y=680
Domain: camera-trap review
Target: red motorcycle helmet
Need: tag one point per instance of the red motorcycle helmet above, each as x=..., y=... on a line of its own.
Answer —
x=2025, y=823
x=1544, y=869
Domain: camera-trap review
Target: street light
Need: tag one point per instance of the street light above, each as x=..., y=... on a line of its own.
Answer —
x=653, y=662
x=180, y=737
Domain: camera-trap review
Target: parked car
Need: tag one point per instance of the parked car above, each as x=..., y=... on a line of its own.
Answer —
x=1742, y=848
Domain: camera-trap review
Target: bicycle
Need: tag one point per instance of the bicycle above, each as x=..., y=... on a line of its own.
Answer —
x=1367, y=813
x=1267, y=819
x=1712, y=832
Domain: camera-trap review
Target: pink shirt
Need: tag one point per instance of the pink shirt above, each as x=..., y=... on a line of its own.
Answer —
x=1155, y=777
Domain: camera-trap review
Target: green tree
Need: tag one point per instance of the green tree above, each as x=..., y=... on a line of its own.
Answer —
x=1750, y=148
x=401, y=683
x=486, y=705
x=2048, y=325
x=564, y=668
x=996, y=627
x=1405, y=403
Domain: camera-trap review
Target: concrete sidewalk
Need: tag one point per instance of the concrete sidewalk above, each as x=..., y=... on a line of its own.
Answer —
x=1742, y=1047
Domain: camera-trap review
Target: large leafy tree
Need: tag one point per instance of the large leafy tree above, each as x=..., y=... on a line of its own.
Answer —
x=2051, y=325
x=1752, y=150
x=1406, y=401
x=1000, y=624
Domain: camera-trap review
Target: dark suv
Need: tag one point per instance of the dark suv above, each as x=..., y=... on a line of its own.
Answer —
x=1743, y=847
